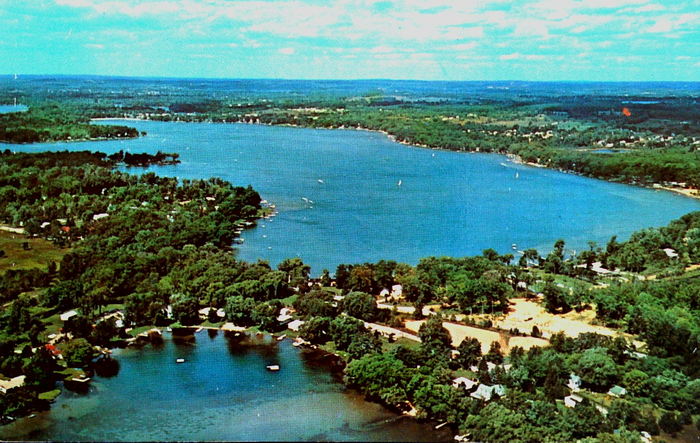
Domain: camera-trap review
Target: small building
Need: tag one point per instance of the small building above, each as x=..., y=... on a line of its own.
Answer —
x=68, y=314
x=6, y=385
x=464, y=383
x=295, y=325
x=285, y=315
x=486, y=392
x=572, y=400
x=636, y=354
x=574, y=382
x=617, y=391
x=671, y=253
x=598, y=268
x=204, y=313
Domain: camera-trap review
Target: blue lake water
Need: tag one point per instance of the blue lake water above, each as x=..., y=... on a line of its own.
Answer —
x=221, y=393
x=449, y=203
x=6, y=109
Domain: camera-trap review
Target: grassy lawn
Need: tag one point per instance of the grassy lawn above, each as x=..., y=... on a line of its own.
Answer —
x=464, y=373
x=50, y=395
x=53, y=324
x=289, y=300
x=411, y=344
x=208, y=324
x=136, y=331
x=40, y=254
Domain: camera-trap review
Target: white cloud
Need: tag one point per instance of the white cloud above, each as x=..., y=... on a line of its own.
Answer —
x=531, y=28
x=399, y=31
x=463, y=46
x=512, y=56
x=519, y=56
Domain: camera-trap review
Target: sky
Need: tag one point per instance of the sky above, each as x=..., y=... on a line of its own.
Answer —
x=594, y=40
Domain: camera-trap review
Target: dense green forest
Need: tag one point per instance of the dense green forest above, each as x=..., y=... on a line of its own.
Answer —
x=50, y=123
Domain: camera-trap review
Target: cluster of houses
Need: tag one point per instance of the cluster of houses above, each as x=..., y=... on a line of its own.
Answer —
x=481, y=391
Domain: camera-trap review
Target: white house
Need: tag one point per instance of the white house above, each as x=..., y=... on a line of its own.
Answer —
x=68, y=314
x=572, y=400
x=574, y=382
x=295, y=325
x=485, y=392
x=285, y=315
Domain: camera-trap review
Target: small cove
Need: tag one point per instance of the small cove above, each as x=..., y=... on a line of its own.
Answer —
x=221, y=392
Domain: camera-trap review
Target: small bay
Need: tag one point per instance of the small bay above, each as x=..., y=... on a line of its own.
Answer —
x=222, y=392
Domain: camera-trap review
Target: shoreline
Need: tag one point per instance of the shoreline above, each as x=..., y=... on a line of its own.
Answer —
x=686, y=192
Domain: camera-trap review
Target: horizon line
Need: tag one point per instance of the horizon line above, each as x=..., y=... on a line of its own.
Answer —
x=166, y=77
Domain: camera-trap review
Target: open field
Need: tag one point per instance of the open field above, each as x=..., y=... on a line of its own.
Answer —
x=486, y=337
x=39, y=254
x=460, y=332
x=524, y=314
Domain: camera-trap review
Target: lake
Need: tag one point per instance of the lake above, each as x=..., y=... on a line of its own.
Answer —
x=221, y=393
x=7, y=109
x=347, y=196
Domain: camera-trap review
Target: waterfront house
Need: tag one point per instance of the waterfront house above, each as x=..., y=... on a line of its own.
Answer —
x=6, y=385
x=285, y=316
x=295, y=325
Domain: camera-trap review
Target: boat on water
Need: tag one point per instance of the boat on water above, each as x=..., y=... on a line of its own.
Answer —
x=180, y=360
x=399, y=183
x=273, y=368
